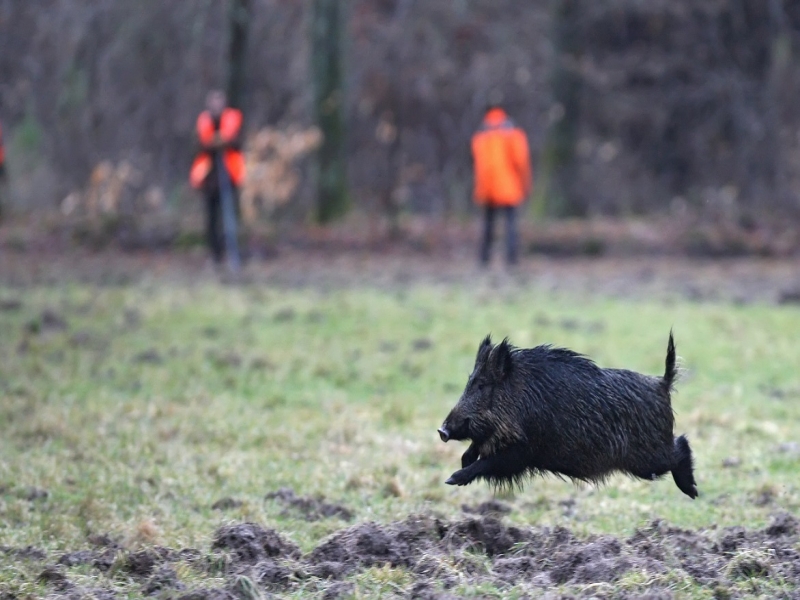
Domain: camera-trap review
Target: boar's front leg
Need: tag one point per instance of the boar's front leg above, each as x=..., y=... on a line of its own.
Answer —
x=505, y=465
x=470, y=456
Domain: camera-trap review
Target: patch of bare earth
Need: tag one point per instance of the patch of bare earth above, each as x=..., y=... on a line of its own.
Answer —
x=439, y=556
x=662, y=258
x=743, y=280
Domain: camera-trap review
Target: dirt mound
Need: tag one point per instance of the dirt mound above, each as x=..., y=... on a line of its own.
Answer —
x=27, y=553
x=369, y=544
x=145, y=562
x=312, y=509
x=251, y=561
x=251, y=543
x=226, y=503
x=783, y=524
x=49, y=320
x=54, y=575
x=485, y=550
x=164, y=578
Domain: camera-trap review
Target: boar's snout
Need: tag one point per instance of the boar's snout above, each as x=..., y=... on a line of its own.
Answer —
x=444, y=434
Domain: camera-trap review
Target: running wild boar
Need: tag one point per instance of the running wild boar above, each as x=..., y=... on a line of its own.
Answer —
x=545, y=409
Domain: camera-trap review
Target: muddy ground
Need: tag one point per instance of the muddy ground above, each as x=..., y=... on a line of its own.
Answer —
x=665, y=258
x=439, y=556
x=741, y=280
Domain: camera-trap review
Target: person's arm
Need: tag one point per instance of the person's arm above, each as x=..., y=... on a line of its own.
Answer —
x=230, y=130
x=522, y=160
x=477, y=175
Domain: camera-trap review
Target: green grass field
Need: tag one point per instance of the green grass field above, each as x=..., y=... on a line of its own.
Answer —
x=130, y=410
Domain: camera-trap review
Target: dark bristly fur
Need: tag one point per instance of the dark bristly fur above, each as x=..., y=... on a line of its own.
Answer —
x=545, y=409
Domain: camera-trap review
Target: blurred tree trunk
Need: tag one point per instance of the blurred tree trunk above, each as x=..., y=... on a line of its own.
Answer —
x=778, y=96
x=238, y=22
x=397, y=112
x=326, y=68
x=560, y=164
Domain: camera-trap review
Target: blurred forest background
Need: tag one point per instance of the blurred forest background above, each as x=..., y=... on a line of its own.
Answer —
x=632, y=107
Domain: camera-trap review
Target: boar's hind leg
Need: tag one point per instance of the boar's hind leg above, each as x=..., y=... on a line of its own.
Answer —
x=503, y=466
x=470, y=456
x=682, y=472
x=652, y=472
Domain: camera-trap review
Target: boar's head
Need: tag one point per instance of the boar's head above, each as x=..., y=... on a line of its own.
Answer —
x=473, y=417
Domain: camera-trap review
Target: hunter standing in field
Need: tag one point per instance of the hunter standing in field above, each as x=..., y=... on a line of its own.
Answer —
x=502, y=177
x=219, y=130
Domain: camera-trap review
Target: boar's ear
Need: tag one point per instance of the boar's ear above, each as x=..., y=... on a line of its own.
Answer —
x=483, y=350
x=501, y=362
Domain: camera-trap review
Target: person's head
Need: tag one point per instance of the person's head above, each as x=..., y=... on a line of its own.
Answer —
x=216, y=102
x=492, y=106
x=494, y=113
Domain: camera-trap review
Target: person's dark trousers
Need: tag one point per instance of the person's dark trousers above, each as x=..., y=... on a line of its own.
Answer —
x=511, y=233
x=215, y=226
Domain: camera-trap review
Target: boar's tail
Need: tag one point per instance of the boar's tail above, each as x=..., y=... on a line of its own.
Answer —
x=671, y=371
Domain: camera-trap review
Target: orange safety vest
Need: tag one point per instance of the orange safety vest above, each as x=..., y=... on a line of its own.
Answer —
x=502, y=161
x=230, y=124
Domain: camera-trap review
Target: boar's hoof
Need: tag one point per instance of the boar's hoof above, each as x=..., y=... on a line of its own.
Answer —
x=443, y=433
x=459, y=478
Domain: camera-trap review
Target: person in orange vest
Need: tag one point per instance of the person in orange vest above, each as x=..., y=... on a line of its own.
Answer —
x=503, y=176
x=219, y=129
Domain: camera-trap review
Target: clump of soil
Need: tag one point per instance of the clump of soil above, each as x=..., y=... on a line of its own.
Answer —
x=251, y=543
x=226, y=503
x=783, y=524
x=31, y=553
x=491, y=507
x=225, y=359
x=140, y=564
x=151, y=357
x=54, y=575
x=312, y=509
x=338, y=590
x=74, y=559
x=422, y=344
x=32, y=494
x=164, y=578
x=284, y=315
x=487, y=535
x=49, y=320
x=10, y=304
x=366, y=545
x=88, y=340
